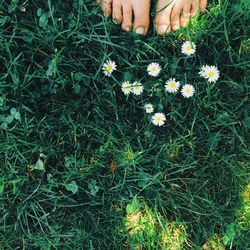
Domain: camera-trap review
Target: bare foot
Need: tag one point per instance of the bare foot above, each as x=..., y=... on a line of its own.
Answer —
x=172, y=14
x=131, y=14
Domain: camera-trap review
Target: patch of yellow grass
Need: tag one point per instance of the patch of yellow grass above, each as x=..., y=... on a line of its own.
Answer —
x=147, y=231
x=244, y=212
x=141, y=222
x=173, y=237
x=214, y=243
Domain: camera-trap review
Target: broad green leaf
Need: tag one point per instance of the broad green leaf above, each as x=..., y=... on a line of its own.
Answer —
x=43, y=20
x=77, y=88
x=38, y=166
x=13, y=111
x=39, y=12
x=230, y=234
x=93, y=187
x=143, y=180
x=134, y=206
x=128, y=76
x=160, y=107
x=72, y=187
x=4, y=125
x=78, y=76
x=2, y=118
x=17, y=116
x=9, y=119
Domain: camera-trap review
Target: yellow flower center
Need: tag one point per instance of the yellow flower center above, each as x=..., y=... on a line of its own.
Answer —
x=189, y=48
x=109, y=68
x=172, y=85
x=158, y=119
x=137, y=88
x=188, y=91
x=211, y=74
x=154, y=69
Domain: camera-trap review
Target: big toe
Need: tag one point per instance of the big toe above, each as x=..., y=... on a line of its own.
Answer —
x=141, y=16
x=162, y=18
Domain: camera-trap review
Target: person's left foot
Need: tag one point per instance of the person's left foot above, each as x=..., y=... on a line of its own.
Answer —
x=131, y=14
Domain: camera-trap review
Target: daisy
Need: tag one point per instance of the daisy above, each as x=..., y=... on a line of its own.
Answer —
x=108, y=67
x=154, y=69
x=137, y=88
x=203, y=71
x=172, y=86
x=188, y=48
x=211, y=73
x=158, y=119
x=149, y=108
x=126, y=88
x=188, y=90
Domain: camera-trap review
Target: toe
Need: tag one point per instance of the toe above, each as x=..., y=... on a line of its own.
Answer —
x=175, y=17
x=185, y=15
x=117, y=11
x=162, y=18
x=107, y=7
x=141, y=17
x=127, y=16
x=203, y=5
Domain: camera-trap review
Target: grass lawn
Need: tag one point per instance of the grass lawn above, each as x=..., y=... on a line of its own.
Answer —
x=83, y=166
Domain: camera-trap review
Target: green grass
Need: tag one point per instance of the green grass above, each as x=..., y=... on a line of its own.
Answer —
x=83, y=168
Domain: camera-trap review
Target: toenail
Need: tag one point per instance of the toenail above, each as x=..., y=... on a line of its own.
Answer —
x=127, y=29
x=163, y=29
x=140, y=30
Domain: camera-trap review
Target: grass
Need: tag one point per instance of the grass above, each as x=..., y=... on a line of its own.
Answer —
x=83, y=168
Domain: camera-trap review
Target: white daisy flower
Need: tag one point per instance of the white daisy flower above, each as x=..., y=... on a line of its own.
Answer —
x=126, y=88
x=211, y=73
x=108, y=67
x=149, y=108
x=203, y=71
x=172, y=85
x=158, y=119
x=137, y=88
x=188, y=48
x=188, y=90
x=154, y=69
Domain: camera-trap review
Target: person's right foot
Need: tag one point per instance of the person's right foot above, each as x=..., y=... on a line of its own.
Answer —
x=131, y=14
x=172, y=14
